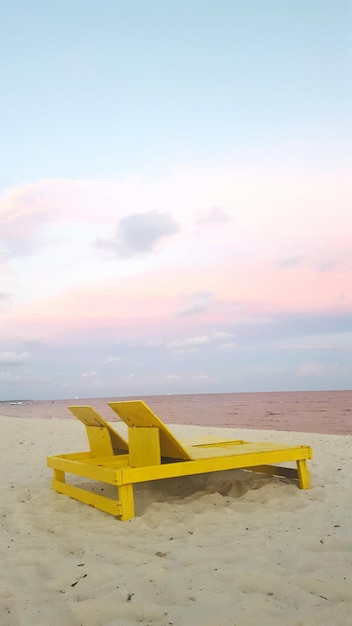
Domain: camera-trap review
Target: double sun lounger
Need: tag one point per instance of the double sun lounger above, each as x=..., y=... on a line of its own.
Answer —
x=152, y=452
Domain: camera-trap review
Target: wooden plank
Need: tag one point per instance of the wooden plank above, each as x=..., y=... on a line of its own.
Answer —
x=100, y=434
x=79, y=468
x=214, y=464
x=248, y=448
x=303, y=474
x=144, y=446
x=218, y=443
x=274, y=470
x=87, y=497
x=137, y=413
x=127, y=502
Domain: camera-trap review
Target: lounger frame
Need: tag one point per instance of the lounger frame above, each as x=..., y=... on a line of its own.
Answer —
x=152, y=452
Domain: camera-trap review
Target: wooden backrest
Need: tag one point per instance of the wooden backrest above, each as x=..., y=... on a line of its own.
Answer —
x=135, y=413
x=103, y=439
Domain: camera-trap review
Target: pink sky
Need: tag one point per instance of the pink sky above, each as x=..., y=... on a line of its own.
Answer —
x=191, y=254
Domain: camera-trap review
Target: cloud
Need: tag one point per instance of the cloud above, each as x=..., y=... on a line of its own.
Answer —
x=341, y=342
x=229, y=344
x=13, y=358
x=202, y=376
x=9, y=378
x=4, y=298
x=27, y=378
x=198, y=302
x=221, y=275
x=185, y=351
x=223, y=335
x=290, y=261
x=139, y=233
x=215, y=215
x=266, y=369
x=315, y=369
x=320, y=258
x=113, y=359
x=21, y=211
x=188, y=343
x=91, y=379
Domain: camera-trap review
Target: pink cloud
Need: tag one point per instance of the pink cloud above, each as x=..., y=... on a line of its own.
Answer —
x=146, y=308
x=280, y=242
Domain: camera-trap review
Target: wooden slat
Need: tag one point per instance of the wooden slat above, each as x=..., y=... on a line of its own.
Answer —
x=102, y=437
x=87, y=497
x=215, y=464
x=79, y=468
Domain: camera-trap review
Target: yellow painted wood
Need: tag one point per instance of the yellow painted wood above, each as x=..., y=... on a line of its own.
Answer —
x=137, y=413
x=79, y=468
x=219, y=443
x=99, y=441
x=111, y=462
x=144, y=444
x=103, y=439
x=274, y=470
x=303, y=474
x=114, y=460
x=200, y=452
x=152, y=446
x=107, y=505
x=214, y=464
x=59, y=475
x=76, y=456
x=126, y=501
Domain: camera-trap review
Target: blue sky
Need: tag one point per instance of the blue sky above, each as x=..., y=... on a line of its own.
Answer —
x=173, y=174
x=98, y=88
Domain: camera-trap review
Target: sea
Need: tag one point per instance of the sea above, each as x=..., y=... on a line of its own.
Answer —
x=328, y=412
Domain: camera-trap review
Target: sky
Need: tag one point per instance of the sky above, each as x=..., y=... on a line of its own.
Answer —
x=175, y=197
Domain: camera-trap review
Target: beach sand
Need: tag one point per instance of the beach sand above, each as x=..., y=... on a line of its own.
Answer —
x=233, y=548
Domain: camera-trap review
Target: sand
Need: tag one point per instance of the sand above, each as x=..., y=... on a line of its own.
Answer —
x=233, y=548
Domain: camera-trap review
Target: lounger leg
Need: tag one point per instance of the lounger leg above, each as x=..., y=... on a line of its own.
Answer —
x=127, y=502
x=59, y=475
x=303, y=474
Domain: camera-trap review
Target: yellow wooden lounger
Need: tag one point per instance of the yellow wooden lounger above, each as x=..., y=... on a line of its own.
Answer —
x=153, y=452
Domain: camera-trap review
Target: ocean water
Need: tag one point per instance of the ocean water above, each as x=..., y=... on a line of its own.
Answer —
x=327, y=412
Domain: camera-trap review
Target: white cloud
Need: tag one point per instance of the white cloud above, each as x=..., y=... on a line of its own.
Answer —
x=223, y=335
x=202, y=376
x=13, y=358
x=9, y=378
x=91, y=379
x=113, y=359
x=4, y=297
x=215, y=215
x=269, y=369
x=321, y=257
x=91, y=374
x=26, y=378
x=198, y=302
x=228, y=345
x=315, y=369
x=185, y=351
x=189, y=342
x=333, y=341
